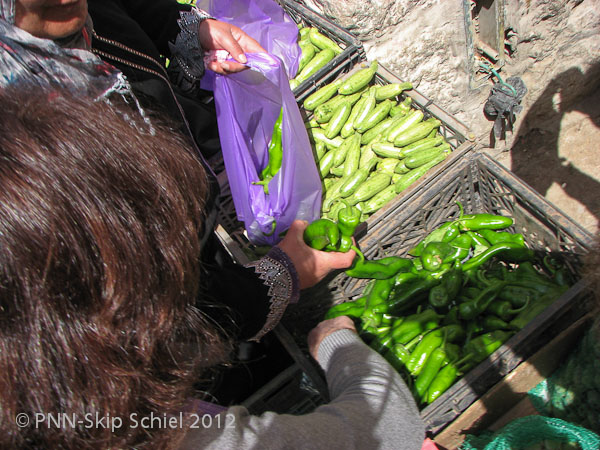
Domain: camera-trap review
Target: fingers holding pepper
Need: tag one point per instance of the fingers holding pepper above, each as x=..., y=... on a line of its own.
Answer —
x=310, y=264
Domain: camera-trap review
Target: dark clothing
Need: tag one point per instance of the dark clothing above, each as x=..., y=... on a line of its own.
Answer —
x=133, y=35
x=147, y=28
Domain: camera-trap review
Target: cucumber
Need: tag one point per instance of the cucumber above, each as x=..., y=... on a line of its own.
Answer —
x=421, y=145
x=352, y=182
x=324, y=111
x=401, y=168
x=313, y=66
x=367, y=157
x=348, y=128
x=340, y=154
x=334, y=211
x=424, y=156
x=303, y=32
x=318, y=134
x=369, y=135
x=320, y=150
x=367, y=106
x=379, y=113
x=338, y=119
x=391, y=90
x=307, y=53
x=337, y=171
x=416, y=132
x=321, y=41
x=321, y=95
x=312, y=123
x=333, y=143
x=412, y=118
x=359, y=79
x=379, y=200
x=376, y=183
x=332, y=194
x=327, y=183
x=387, y=165
x=325, y=163
x=412, y=176
x=386, y=150
x=402, y=108
x=396, y=121
x=353, y=156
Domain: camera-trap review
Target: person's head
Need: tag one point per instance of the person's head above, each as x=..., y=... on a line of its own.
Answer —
x=50, y=19
x=99, y=225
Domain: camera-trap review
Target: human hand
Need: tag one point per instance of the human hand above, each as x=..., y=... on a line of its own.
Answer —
x=217, y=35
x=324, y=329
x=312, y=265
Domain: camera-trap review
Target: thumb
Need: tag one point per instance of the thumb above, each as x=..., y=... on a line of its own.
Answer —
x=298, y=225
x=235, y=50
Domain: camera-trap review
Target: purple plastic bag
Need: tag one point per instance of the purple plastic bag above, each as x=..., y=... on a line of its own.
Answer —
x=265, y=21
x=248, y=104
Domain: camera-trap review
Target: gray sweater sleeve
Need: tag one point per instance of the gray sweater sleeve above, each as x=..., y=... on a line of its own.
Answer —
x=371, y=407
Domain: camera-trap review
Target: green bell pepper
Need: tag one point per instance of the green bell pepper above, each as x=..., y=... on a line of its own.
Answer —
x=351, y=309
x=431, y=368
x=378, y=269
x=321, y=233
x=504, y=310
x=414, y=325
x=507, y=249
x=484, y=345
x=423, y=350
x=348, y=219
x=497, y=237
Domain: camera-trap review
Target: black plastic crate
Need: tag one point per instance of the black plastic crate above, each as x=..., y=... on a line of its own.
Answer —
x=352, y=48
x=290, y=392
x=481, y=185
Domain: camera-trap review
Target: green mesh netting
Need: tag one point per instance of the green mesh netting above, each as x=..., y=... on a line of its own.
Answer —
x=537, y=432
x=572, y=392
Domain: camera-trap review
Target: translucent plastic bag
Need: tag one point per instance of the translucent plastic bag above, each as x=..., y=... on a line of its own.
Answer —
x=265, y=21
x=248, y=104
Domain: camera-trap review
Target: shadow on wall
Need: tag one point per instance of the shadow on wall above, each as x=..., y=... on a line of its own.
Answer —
x=535, y=155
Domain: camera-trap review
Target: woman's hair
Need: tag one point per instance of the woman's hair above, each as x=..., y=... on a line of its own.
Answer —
x=99, y=243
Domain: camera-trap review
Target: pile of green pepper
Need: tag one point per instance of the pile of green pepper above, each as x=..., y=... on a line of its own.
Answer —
x=325, y=234
x=467, y=289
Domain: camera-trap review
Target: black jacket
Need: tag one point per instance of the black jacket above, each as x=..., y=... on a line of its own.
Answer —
x=133, y=35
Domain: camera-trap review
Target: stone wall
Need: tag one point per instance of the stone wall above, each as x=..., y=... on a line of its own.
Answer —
x=425, y=42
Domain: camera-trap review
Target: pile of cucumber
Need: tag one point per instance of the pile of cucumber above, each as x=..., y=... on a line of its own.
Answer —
x=316, y=51
x=368, y=144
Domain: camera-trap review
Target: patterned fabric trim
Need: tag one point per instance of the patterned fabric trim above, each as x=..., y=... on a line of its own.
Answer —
x=187, y=56
x=278, y=273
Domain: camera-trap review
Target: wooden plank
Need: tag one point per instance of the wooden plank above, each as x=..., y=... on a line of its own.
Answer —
x=491, y=409
x=521, y=409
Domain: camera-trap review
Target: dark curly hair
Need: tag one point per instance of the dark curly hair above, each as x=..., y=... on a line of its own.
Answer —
x=99, y=226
